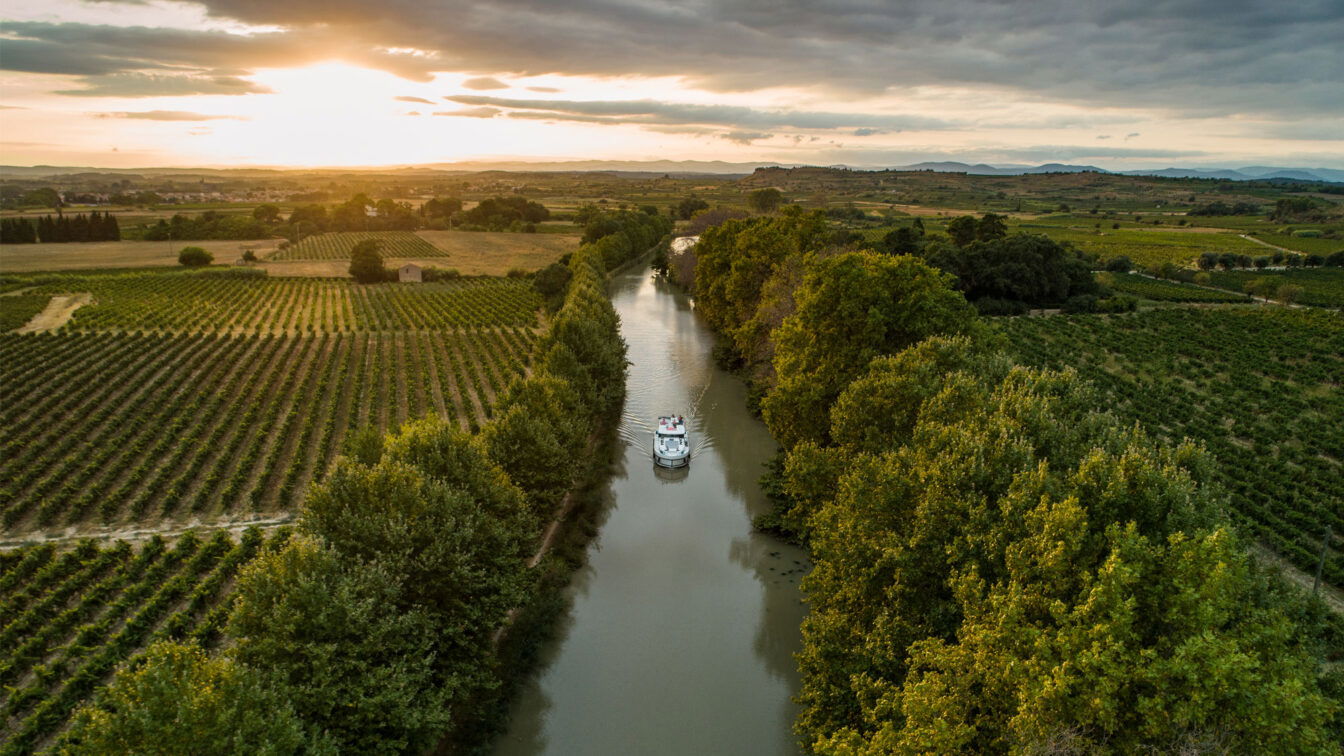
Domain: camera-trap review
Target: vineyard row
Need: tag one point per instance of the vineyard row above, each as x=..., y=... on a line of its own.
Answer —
x=1259, y=387
x=255, y=303
x=113, y=427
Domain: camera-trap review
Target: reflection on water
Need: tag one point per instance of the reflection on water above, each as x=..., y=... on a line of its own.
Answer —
x=685, y=622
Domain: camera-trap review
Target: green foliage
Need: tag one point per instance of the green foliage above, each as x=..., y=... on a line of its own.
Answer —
x=366, y=262
x=1023, y=267
x=851, y=308
x=687, y=208
x=194, y=257
x=539, y=420
x=1008, y=567
x=765, y=200
x=179, y=700
x=1257, y=386
x=208, y=225
x=333, y=638
x=500, y=213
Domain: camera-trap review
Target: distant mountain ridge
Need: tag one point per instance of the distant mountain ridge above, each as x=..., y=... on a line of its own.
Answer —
x=708, y=167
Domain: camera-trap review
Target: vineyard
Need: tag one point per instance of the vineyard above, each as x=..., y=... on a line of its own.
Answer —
x=1146, y=248
x=1321, y=287
x=1160, y=290
x=337, y=246
x=132, y=426
x=17, y=309
x=70, y=618
x=1258, y=386
x=248, y=301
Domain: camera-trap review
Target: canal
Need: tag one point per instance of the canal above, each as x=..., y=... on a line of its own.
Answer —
x=684, y=622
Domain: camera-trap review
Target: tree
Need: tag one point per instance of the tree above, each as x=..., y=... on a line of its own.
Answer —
x=1010, y=570
x=266, y=213
x=687, y=208
x=180, y=700
x=1208, y=261
x=1119, y=264
x=366, y=262
x=332, y=635
x=851, y=308
x=991, y=226
x=1024, y=267
x=963, y=230
x=901, y=241
x=765, y=200
x=194, y=257
x=1288, y=293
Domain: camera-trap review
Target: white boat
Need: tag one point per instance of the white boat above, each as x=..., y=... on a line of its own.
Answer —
x=671, y=445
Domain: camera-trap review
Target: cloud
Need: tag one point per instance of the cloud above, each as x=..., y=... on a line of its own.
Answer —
x=866, y=131
x=408, y=98
x=162, y=85
x=743, y=137
x=470, y=112
x=170, y=115
x=646, y=112
x=543, y=90
x=484, y=82
x=1205, y=56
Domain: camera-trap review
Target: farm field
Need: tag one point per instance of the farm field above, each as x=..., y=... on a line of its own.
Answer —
x=17, y=309
x=337, y=245
x=1162, y=290
x=27, y=258
x=70, y=618
x=1258, y=386
x=490, y=253
x=1146, y=247
x=245, y=300
x=1321, y=287
x=105, y=428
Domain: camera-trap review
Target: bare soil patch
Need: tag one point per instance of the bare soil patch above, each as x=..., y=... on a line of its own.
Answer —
x=57, y=313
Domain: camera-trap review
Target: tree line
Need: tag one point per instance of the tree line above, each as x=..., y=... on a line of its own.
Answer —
x=47, y=229
x=373, y=629
x=1001, y=564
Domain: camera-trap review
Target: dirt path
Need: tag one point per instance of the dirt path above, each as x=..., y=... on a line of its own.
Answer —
x=1271, y=246
x=1333, y=597
x=58, y=312
x=17, y=292
x=135, y=535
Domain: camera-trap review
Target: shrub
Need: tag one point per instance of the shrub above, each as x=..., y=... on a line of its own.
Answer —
x=194, y=257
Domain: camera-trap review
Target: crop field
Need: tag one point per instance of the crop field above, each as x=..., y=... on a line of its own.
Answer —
x=1260, y=387
x=28, y=258
x=70, y=618
x=129, y=427
x=1321, y=287
x=337, y=246
x=489, y=253
x=1146, y=248
x=17, y=309
x=1161, y=290
x=247, y=301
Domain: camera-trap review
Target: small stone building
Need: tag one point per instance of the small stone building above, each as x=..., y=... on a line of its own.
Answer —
x=410, y=273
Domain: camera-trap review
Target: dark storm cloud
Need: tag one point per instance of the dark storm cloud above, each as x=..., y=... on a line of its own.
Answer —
x=139, y=61
x=1207, y=55
x=666, y=113
x=1203, y=57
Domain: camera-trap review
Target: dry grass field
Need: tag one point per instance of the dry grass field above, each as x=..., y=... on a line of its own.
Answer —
x=485, y=253
x=27, y=258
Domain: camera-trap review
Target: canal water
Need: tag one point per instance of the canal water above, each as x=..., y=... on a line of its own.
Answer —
x=684, y=621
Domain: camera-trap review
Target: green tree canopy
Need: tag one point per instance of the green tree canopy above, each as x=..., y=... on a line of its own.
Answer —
x=851, y=308
x=180, y=700
x=366, y=262
x=194, y=257
x=335, y=637
x=765, y=200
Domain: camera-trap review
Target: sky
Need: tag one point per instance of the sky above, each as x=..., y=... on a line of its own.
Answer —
x=1121, y=84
